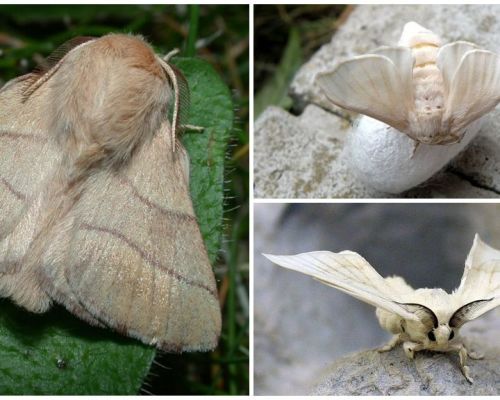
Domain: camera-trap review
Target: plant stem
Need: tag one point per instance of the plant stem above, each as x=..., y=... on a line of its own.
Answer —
x=194, y=14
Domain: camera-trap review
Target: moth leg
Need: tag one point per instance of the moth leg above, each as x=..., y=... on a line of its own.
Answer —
x=411, y=348
x=395, y=340
x=193, y=128
x=462, y=354
x=415, y=147
x=474, y=355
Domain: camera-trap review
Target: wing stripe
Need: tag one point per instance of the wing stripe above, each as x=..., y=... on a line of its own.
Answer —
x=150, y=204
x=149, y=258
x=10, y=188
x=34, y=138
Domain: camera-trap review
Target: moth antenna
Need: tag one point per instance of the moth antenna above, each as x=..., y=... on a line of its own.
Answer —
x=44, y=71
x=171, y=54
x=181, y=96
x=173, y=79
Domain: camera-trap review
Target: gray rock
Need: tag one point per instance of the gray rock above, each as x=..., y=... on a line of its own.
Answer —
x=392, y=373
x=301, y=156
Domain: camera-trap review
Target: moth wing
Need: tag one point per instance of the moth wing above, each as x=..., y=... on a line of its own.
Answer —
x=479, y=289
x=373, y=85
x=449, y=57
x=28, y=158
x=352, y=274
x=403, y=60
x=26, y=155
x=131, y=254
x=474, y=90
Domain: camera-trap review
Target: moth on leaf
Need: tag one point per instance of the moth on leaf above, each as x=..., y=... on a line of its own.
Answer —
x=95, y=211
x=421, y=319
x=426, y=90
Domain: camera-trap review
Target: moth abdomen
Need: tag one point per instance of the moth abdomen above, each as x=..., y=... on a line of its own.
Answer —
x=428, y=87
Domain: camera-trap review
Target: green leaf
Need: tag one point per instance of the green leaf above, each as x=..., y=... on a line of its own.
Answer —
x=212, y=109
x=275, y=92
x=56, y=353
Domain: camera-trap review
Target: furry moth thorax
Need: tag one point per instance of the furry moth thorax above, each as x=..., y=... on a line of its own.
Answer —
x=429, y=91
x=120, y=86
x=421, y=319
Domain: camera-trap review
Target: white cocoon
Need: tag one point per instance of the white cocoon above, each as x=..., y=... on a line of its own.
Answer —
x=381, y=156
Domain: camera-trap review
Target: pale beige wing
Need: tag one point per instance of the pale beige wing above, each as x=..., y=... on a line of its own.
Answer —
x=479, y=289
x=403, y=61
x=26, y=156
x=474, y=90
x=373, y=85
x=349, y=272
x=449, y=57
x=135, y=257
x=28, y=159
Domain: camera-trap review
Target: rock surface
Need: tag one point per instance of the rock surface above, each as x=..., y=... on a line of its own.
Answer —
x=302, y=328
x=301, y=156
x=392, y=373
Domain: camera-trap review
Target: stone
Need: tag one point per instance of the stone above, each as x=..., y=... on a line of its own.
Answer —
x=299, y=157
x=436, y=374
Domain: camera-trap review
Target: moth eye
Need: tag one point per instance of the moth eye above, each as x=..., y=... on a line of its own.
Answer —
x=452, y=335
x=431, y=336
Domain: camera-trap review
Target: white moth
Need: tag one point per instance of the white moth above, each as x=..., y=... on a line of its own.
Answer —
x=421, y=319
x=428, y=91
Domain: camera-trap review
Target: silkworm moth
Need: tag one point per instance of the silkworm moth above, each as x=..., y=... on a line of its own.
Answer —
x=421, y=319
x=95, y=211
x=428, y=91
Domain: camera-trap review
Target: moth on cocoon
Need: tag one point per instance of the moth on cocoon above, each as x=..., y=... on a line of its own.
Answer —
x=420, y=95
x=421, y=319
x=428, y=91
x=95, y=211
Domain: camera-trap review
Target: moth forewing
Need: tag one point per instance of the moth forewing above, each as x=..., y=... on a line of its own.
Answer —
x=108, y=228
x=474, y=88
x=448, y=59
x=369, y=85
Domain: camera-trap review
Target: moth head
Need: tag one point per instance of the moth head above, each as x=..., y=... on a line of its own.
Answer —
x=441, y=335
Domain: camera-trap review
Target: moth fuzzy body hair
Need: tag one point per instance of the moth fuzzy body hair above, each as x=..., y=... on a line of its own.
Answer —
x=429, y=91
x=421, y=319
x=95, y=208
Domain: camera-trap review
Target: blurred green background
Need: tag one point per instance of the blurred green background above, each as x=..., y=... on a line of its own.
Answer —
x=285, y=36
x=218, y=34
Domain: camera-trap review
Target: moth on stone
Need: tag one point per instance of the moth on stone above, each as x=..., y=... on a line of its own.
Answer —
x=421, y=319
x=428, y=91
x=95, y=211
